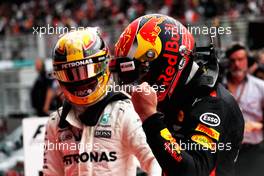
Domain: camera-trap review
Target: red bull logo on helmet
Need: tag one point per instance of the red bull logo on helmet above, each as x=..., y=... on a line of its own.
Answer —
x=148, y=39
x=150, y=30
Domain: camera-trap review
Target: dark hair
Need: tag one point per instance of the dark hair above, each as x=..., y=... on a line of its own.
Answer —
x=233, y=49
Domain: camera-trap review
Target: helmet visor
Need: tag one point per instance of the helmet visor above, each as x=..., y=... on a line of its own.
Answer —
x=79, y=70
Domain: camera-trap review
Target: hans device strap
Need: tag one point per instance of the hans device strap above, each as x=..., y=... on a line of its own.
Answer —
x=91, y=115
x=66, y=107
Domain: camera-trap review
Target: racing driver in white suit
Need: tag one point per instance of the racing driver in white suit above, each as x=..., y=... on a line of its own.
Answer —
x=97, y=131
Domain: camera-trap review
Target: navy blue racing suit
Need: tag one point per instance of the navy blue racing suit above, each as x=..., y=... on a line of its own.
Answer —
x=198, y=134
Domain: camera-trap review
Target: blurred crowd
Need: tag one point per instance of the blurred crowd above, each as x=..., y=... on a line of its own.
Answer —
x=18, y=16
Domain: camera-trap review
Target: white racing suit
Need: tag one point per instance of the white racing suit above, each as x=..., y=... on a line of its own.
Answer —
x=106, y=149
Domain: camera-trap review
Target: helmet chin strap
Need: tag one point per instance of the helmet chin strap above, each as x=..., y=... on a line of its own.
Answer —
x=194, y=69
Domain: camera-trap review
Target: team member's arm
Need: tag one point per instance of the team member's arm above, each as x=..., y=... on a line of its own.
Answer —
x=53, y=164
x=135, y=141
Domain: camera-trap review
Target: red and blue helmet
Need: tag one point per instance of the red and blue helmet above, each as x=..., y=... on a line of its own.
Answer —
x=157, y=49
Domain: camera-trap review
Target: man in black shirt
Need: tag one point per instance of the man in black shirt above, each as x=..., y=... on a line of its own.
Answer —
x=41, y=93
x=193, y=125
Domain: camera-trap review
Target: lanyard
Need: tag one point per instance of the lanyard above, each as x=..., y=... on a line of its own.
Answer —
x=241, y=93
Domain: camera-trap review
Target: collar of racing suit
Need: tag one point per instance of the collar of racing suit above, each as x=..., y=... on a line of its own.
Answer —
x=91, y=114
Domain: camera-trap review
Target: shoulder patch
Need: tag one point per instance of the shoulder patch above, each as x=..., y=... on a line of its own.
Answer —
x=210, y=119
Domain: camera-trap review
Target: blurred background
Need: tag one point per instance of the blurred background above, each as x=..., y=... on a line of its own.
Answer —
x=25, y=54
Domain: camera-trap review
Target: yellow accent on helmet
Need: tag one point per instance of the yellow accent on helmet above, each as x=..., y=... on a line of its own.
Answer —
x=145, y=46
